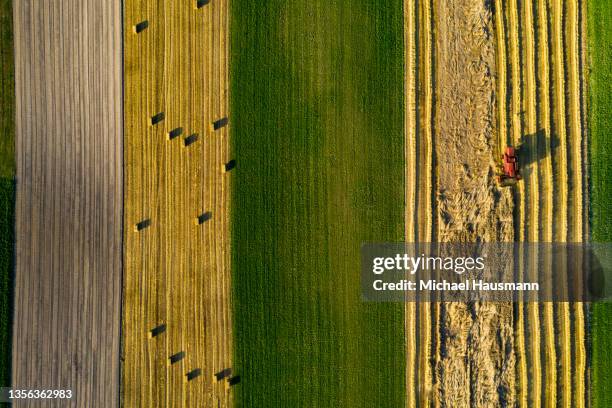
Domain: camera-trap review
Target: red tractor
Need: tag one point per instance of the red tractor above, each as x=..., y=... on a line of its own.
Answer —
x=511, y=173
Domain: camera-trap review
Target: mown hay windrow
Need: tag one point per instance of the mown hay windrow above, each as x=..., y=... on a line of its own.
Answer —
x=577, y=160
x=545, y=122
x=425, y=209
x=410, y=221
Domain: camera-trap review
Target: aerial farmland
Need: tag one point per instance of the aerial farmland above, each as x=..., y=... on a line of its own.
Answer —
x=190, y=191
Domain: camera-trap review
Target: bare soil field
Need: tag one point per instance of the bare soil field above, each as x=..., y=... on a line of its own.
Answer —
x=69, y=200
x=177, y=324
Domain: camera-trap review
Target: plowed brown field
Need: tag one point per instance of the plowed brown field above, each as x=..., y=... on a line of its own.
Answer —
x=68, y=140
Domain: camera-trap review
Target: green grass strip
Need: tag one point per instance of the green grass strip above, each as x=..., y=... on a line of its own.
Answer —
x=7, y=92
x=317, y=134
x=7, y=189
x=7, y=200
x=600, y=128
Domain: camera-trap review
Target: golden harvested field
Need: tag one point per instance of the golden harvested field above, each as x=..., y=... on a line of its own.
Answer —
x=177, y=272
x=479, y=78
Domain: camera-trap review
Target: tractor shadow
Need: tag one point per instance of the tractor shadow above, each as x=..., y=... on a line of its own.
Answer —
x=533, y=148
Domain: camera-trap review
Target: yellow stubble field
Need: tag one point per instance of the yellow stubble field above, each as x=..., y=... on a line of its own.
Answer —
x=176, y=307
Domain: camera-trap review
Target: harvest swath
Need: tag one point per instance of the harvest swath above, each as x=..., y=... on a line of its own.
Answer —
x=419, y=180
x=317, y=109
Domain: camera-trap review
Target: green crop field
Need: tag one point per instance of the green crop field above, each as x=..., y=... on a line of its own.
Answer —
x=7, y=189
x=317, y=134
x=600, y=127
